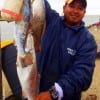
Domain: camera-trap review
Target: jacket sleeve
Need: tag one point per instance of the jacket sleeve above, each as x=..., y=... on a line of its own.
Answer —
x=79, y=76
x=51, y=14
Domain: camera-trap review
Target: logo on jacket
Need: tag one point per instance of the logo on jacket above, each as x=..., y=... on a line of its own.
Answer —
x=71, y=51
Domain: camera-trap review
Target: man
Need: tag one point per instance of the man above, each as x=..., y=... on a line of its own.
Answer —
x=67, y=60
x=8, y=60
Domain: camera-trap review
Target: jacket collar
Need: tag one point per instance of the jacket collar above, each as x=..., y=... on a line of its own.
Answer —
x=75, y=28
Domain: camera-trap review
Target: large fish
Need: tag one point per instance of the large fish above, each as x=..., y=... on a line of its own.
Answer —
x=37, y=22
x=28, y=37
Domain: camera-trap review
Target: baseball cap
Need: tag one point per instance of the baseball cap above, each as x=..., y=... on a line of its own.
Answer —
x=82, y=2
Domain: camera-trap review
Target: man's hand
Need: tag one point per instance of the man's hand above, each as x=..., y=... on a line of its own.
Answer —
x=43, y=96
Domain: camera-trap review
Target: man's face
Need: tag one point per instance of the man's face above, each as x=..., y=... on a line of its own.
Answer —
x=73, y=13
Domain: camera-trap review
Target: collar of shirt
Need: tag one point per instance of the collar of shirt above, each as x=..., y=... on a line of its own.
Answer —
x=75, y=28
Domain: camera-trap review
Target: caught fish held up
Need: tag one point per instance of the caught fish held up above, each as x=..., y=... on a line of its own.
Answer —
x=29, y=17
x=37, y=22
x=29, y=31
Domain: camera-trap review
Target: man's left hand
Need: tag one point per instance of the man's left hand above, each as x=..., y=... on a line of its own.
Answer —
x=43, y=96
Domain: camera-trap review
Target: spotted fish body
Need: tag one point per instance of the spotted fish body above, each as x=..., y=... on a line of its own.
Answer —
x=29, y=31
x=29, y=76
x=37, y=22
x=21, y=27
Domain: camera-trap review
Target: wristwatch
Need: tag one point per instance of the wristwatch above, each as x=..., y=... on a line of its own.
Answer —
x=54, y=94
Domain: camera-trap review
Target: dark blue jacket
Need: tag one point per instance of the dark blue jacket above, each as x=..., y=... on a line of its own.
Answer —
x=67, y=57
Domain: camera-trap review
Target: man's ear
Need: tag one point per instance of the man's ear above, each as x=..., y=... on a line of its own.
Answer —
x=84, y=11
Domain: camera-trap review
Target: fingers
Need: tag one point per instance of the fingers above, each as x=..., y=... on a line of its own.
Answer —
x=43, y=96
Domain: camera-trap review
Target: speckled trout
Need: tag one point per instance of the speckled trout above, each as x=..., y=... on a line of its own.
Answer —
x=28, y=35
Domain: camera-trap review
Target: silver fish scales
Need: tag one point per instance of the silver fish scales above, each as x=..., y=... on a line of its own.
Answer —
x=29, y=31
